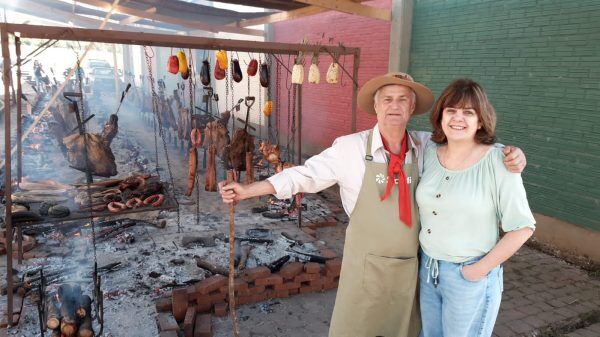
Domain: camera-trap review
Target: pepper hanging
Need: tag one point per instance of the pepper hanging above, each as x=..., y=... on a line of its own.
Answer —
x=264, y=75
x=173, y=65
x=252, y=67
x=183, y=66
x=236, y=71
x=219, y=73
x=205, y=73
x=222, y=60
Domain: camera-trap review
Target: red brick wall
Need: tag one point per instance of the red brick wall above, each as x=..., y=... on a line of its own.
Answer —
x=327, y=108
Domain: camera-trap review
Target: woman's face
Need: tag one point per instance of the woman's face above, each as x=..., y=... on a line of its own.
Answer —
x=460, y=124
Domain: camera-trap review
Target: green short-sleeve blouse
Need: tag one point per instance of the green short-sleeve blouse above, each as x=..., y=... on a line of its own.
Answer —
x=461, y=210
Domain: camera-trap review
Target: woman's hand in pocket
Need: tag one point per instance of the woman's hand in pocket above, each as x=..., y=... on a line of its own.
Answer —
x=473, y=272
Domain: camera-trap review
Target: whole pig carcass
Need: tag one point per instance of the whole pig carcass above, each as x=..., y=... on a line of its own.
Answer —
x=100, y=158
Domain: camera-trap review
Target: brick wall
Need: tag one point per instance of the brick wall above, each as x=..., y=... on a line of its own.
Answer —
x=540, y=64
x=327, y=108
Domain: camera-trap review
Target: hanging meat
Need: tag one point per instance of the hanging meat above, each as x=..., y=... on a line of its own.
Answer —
x=264, y=75
x=270, y=152
x=100, y=158
x=236, y=71
x=241, y=143
x=193, y=165
x=268, y=108
x=219, y=73
x=210, y=183
x=183, y=123
x=215, y=133
x=110, y=129
x=205, y=73
x=252, y=67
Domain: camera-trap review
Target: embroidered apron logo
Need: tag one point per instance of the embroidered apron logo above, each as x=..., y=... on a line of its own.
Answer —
x=381, y=179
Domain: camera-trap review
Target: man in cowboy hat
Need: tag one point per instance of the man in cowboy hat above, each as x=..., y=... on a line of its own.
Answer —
x=378, y=283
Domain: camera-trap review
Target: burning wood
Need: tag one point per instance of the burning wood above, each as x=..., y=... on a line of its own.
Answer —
x=68, y=313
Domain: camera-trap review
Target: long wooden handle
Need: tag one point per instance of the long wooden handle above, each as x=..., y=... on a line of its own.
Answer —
x=232, y=314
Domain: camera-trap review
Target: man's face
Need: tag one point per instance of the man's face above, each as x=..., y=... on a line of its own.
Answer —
x=394, y=105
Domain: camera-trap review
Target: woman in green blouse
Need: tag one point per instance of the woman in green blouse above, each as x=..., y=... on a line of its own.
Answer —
x=464, y=196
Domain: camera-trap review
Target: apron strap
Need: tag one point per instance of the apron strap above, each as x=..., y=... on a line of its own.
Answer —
x=369, y=155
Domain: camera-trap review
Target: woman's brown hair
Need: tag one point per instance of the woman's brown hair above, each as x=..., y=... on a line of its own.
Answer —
x=465, y=93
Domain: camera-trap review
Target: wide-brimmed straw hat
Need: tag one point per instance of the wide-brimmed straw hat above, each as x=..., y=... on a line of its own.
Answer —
x=367, y=92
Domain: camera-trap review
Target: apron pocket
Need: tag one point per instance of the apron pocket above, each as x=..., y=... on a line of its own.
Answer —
x=389, y=276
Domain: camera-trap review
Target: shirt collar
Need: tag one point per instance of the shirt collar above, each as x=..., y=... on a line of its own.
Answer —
x=378, y=142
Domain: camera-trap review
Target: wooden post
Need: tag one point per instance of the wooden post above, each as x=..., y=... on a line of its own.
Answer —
x=400, y=34
x=7, y=177
x=299, y=107
x=19, y=141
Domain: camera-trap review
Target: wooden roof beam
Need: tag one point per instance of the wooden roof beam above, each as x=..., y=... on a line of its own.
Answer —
x=166, y=40
x=285, y=16
x=133, y=18
x=173, y=20
x=349, y=7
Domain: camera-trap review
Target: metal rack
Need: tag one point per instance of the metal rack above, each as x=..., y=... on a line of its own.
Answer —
x=132, y=38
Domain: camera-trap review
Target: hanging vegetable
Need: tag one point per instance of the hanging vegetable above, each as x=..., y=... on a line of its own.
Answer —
x=236, y=71
x=333, y=73
x=219, y=73
x=205, y=73
x=252, y=67
x=268, y=108
x=264, y=75
x=183, y=66
x=186, y=74
x=298, y=69
x=314, y=76
x=222, y=60
x=173, y=65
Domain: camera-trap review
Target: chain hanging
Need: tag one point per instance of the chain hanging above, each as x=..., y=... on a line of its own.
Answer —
x=192, y=89
x=260, y=107
x=89, y=193
x=161, y=132
x=277, y=101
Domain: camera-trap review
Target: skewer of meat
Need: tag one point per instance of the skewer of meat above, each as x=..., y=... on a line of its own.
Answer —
x=210, y=184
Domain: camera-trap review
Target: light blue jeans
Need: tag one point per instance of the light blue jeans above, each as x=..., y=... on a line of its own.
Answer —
x=451, y=306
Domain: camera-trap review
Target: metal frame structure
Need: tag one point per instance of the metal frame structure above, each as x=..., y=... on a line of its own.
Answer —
x=129, y=38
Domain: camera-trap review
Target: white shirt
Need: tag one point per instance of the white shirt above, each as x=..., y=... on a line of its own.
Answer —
x=342, y=163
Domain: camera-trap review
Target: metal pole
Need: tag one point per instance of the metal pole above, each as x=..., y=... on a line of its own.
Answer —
x=355, y=88
x=116, y=71
x=299, y=102
x=19, y=111
x=19, y=143
x=7, y=178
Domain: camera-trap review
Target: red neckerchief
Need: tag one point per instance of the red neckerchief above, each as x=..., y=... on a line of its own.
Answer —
x=395, y=168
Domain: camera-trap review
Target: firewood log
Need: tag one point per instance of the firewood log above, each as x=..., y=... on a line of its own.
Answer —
x=84, y=307
x=85, y=328
x=68, y=329
x=52, y=314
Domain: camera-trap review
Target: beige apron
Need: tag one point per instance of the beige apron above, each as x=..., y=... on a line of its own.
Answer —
x=377, y=293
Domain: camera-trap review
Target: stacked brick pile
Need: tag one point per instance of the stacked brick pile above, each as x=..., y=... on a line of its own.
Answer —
x=192, y=306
